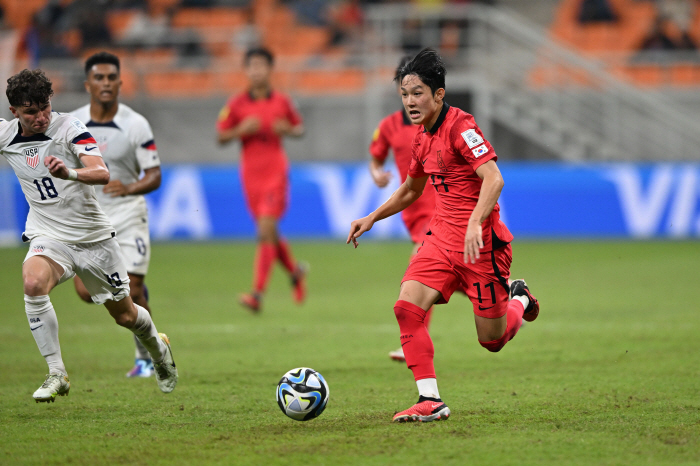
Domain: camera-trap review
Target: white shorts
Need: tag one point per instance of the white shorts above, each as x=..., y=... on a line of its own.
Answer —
x=135, y=242
x=99, y=265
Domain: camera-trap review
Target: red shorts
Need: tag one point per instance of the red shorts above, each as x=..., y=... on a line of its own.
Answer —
x=268, y=199
x=485, y=283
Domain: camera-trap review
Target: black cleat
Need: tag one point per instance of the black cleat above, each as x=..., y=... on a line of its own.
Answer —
x=519, y=288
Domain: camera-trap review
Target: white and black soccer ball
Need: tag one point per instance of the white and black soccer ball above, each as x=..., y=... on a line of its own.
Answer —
x=302, y=394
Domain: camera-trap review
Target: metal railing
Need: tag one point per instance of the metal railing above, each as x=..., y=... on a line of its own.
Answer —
x=538, y=88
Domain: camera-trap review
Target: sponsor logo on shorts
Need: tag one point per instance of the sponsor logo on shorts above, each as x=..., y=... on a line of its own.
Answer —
x=38, y=249
x=481, y=150
x=485, y=308
x=472, y=138
x=31, y=155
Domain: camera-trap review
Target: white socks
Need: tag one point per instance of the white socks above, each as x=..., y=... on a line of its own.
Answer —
x=146, y=332
x=44, y=325
x=141, y=351
x=428, y=388
x=523, y=299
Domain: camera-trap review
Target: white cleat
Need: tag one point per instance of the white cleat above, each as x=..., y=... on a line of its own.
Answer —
x=166, y=372
x=397, y=355
x=55, y=384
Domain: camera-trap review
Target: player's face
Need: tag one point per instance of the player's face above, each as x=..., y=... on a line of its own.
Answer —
x=418, y=100
x=258, y=71
x=103, y=83
x=34, y=118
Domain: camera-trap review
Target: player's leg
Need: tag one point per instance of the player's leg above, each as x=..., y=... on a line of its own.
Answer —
x=265, y=257
x=428, y=279
x=143, y=365
x=102, y=269
x=83, y=293
x=497, y=318
x=40, y=274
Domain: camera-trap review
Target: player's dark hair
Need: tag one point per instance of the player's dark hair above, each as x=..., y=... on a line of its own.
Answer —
x=101, y=58
x=428, y=66
x=403, y=62
x=27, y=88
x=259, y=52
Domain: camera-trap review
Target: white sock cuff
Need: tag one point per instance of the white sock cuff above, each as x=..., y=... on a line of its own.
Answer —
x=428, y=388
x=37, y=304
x=523, y=300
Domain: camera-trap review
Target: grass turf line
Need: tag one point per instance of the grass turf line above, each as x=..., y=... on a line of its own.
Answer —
x=607, y=375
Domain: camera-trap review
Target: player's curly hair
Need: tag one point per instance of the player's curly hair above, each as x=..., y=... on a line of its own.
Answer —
x=100, y=58
x=29, y=87
x=428, y=66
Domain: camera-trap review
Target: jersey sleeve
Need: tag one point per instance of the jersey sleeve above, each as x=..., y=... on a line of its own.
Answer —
x=379, y=147
x=228, y=117
x=291, y=112
x=415, y=169
x=80, y=141
x=146, y=151
x=468, y=140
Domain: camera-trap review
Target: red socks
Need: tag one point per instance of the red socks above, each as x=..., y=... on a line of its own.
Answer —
x=514, y=320
x=284, y=254
x=264, y=259
x=415, y=340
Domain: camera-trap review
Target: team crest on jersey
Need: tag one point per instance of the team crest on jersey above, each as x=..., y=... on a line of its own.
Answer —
x=31, y=155
x=441, y=164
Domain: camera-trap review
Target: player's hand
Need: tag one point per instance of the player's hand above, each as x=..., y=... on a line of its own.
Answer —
x=381, y=178
x=358, y=227
x=473, y=241
x=282, y=127
x=56, y=167
x=116, y=188
x=248, y=126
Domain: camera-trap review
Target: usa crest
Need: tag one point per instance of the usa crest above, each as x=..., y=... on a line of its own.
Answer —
x=31, y=155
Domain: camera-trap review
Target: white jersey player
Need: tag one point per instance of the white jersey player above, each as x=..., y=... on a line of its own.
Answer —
x=128, y=148
x=57, y=161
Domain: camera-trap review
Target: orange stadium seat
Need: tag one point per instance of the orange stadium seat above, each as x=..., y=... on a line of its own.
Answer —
x=181, y=84
x=118, y=21
x=348, y=81
x=685, y=74
x=19, y=14
x=646, y=75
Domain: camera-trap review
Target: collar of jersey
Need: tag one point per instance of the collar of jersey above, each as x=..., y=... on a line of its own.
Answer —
x=440, y=120
x=252, y=97
x=33, y=138
x=109, y=124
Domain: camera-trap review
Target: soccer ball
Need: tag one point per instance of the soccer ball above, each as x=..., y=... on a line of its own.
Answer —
x=302, y=394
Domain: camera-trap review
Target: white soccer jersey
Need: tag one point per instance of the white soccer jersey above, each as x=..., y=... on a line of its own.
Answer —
x=64, y=210
x=127, y=146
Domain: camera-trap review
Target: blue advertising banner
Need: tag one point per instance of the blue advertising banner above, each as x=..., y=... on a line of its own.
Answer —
x=538, y=201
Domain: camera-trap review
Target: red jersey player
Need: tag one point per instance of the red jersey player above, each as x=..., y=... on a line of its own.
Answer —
x=260, y=117
x=467, y=245
x=396, y=132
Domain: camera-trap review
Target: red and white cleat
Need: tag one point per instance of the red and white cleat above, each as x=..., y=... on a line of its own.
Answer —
x=397, y=355
x=426, y=410
x=250, y=301
x=299, y=282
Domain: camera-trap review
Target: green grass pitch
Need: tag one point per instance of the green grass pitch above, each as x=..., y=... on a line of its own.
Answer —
x=609, y=373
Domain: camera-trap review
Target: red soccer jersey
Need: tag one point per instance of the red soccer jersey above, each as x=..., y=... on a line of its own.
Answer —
x=262, y=152
x=397, y=132
x=450, y=155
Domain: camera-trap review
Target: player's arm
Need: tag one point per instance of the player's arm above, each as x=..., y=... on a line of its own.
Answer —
x=247, y=127
x=150, y=182
x=380, y=176
x=403, y=197
x=283, y=127
x=93, y=172
x=490, y=191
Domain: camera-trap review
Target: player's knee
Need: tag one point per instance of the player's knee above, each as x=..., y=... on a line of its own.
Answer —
x=125, y=319
x=35, y=286
x=494, y=346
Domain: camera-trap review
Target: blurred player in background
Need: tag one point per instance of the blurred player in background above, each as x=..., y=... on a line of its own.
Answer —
x=467, y=246
x=56, y=161
x=396, y=132
x=126, y=141
x=259, y=118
